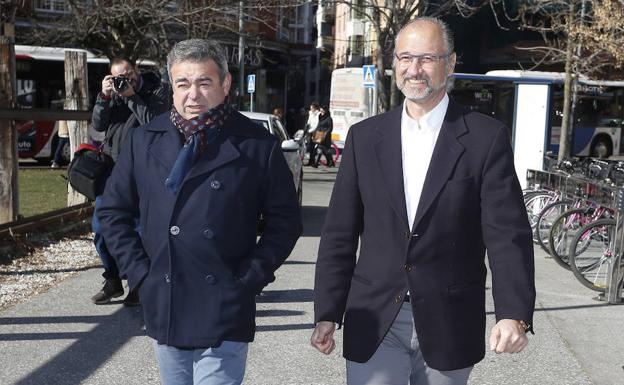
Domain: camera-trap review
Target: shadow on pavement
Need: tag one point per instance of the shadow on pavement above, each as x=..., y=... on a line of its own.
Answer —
x=313, y=219
x=278, y=313
x=287, y=262
x=50, y=271
x=295, y=295
x=275, y=328
x=90, y=350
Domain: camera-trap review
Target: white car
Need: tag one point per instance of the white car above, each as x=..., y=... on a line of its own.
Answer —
x=292, y=149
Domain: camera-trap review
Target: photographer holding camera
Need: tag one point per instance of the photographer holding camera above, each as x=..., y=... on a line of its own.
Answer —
x=128, y=99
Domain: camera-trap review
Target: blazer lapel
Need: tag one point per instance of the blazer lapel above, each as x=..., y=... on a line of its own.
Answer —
x=445, y=155
x=389, y=160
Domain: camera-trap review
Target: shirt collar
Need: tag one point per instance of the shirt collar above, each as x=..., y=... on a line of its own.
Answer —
x=431, y=120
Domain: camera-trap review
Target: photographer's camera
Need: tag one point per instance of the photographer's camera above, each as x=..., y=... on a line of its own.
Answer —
x=120, y=83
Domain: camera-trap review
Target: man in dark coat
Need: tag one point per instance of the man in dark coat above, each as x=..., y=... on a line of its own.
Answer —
x=199, y=177
x=127, y=100
x=426, y=188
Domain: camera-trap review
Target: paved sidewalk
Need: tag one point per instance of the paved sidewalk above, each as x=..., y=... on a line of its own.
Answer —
x=60, y=338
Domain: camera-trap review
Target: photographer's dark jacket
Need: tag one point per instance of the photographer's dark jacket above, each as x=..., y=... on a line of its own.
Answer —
x=119, y=115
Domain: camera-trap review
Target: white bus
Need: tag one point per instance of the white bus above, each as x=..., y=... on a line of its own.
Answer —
x=528, y=102
x=349, y=101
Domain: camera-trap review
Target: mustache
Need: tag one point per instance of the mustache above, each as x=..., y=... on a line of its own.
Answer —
x=422, y=77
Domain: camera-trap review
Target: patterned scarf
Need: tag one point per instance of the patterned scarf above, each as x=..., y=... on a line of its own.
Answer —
x=198, y=133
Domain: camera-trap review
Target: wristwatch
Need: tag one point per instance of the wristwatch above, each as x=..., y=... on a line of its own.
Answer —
x=527, y=327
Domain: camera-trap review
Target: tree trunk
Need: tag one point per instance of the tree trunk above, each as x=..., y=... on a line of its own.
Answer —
x=567, y=129
x=395, y=93
x=9, y=198
x=76, y=98
x=382, y=92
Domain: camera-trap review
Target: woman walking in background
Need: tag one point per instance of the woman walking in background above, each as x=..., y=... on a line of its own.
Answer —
x=324, y=142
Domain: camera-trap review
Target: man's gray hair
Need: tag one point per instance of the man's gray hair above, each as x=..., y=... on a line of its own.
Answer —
x=198, y=50
x=447, y=34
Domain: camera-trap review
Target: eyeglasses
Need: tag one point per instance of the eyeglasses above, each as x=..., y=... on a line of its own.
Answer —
x=426, y=59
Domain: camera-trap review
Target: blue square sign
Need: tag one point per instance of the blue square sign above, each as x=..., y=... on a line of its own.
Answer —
x=251, y=84
x=368, y=80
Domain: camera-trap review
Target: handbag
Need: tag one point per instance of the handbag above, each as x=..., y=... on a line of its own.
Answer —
x=318, y=136
x=88, y=171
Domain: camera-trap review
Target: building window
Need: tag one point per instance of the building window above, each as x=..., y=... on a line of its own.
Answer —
x=51, y=6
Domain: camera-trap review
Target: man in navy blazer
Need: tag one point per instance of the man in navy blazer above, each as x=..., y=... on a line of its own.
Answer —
x=424, y=191
x=199, y=177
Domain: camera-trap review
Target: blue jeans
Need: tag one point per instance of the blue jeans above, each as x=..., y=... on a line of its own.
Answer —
x=224, y=365
x=111, y=271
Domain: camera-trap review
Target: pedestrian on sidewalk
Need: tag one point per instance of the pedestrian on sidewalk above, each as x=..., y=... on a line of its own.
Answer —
x=199, y=177
x=128, y=99
x=427, y=189
x=63, y=140
x=310, y=127
x=324, y=142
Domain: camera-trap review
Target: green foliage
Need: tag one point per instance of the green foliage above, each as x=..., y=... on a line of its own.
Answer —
x=41, y=191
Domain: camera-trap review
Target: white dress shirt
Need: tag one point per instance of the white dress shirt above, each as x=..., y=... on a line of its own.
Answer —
x=418, y=139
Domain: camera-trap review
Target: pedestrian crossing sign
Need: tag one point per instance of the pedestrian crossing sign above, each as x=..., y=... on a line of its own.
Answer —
x=369, y=76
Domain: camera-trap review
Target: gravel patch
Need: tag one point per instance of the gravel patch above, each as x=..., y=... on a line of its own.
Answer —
x=44, y=267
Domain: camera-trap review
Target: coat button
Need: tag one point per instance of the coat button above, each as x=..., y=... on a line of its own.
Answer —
x=174, y=230
x=215, y=184
x=210, y=279
x=208, y=233
x=408, y=268
x=398, y=299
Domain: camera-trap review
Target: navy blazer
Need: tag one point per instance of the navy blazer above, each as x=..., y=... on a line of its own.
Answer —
x=471, y=202
x=197, y=260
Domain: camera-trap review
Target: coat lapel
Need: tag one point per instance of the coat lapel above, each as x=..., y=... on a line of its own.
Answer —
x=216, y=154
x=165, y=147
x=389, y=160
x=445, y=155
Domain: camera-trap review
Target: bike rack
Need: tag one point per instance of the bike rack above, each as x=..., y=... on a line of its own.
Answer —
x=602, y=194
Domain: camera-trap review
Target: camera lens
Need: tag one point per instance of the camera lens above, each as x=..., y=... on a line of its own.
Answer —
x=120, y=83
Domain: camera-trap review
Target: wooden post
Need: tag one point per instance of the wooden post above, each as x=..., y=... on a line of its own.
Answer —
x=76, y=98
x=9, y=202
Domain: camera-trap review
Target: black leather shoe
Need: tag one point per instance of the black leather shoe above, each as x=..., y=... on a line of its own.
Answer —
x=112, y=289
x=132, y=299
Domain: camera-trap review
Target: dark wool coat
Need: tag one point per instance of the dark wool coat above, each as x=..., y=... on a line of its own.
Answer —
x=197, y=261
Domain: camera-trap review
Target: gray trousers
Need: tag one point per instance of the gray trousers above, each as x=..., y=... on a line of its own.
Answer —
x=398, y=360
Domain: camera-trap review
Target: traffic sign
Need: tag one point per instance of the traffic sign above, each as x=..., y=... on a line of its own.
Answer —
x=369, y=76
x=251, y=84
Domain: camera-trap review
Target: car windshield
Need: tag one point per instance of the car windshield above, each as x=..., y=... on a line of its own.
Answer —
x=263, y=123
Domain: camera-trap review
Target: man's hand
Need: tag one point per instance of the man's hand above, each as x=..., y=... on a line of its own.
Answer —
x=323, y=337
x=508, y=336
x=107, y=85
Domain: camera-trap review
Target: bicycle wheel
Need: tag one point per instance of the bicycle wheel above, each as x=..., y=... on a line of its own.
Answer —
x=534, y=206
x=591, y=253
x=562, y=231
x=545, y=221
